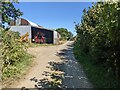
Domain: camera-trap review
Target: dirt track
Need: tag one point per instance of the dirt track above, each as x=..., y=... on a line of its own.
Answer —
x=74, y=75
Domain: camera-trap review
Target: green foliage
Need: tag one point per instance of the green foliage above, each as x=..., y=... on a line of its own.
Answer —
x=9, y=12
x=16, y=70
x=14, y=58
x=70, y=36
x=98, y=35
x=65, y=34
x=13, y=52
x=96, y=73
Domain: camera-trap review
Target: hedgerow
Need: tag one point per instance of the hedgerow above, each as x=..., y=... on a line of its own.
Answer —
x=13, y=52
x=98, y=35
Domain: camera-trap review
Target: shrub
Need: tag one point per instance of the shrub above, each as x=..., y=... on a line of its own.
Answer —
x=13, y=52
x=99, y=35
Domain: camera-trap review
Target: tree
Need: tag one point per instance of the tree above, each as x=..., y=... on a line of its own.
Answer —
x=65, y=34
x=70, y=35
x=9, y=12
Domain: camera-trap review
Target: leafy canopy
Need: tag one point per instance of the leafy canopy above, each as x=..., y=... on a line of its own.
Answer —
x=65, y=34
x=9, y=12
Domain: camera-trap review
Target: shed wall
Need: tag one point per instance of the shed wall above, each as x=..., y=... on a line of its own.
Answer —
x=22, y=29
x=51, y=36
x=56, y=38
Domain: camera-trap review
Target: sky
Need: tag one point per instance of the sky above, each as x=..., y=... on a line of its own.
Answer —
x=53, y=15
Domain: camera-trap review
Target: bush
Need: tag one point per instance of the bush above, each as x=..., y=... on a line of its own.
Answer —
x=98, y=35
x=13, y=53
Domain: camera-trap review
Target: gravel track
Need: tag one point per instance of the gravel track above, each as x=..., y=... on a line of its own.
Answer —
x=74, y=75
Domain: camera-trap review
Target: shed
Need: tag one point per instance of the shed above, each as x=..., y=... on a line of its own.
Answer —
x=22, y=26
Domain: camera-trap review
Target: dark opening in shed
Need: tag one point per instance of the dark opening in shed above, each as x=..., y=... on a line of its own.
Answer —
x=48, y=34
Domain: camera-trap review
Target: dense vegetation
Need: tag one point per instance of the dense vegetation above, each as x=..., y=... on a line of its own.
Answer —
x=98, y=43
x=65, y=34
x=14, y=57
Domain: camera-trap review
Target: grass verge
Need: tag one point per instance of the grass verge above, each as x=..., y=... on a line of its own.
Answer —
x=37, y=44
x=97, y=74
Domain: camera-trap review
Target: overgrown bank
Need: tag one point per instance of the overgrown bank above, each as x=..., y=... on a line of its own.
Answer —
x=97, y=74
x=97, y=45
x=15, y=58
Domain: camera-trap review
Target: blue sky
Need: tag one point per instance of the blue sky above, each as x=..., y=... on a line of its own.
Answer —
x=54, y=14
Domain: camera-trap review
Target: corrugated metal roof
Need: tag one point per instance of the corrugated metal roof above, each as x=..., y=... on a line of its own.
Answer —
x=33, y=24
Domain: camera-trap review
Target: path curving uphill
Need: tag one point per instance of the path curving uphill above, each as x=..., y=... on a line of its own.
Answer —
x=74, y=76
